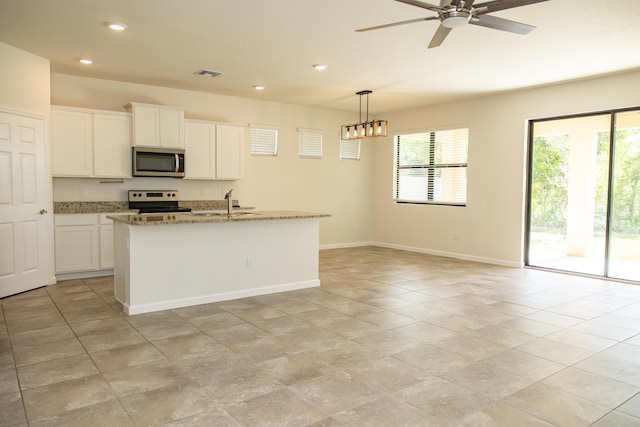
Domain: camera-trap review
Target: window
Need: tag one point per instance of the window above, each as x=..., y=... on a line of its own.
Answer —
x=350, y=149
x=309, y=143
x=431, y=167
x=264, y=140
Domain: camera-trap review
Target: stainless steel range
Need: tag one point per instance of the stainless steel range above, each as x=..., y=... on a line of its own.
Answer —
x=155, y=201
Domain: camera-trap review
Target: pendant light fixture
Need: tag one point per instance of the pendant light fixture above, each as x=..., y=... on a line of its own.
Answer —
x=366, y=129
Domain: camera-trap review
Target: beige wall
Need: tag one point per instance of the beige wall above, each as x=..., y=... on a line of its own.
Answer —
x=341, y=188
x=491, y=227
x=24, y=81
x=359, y=194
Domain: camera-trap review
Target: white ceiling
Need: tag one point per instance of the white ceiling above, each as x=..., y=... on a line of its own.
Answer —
x=275, y=43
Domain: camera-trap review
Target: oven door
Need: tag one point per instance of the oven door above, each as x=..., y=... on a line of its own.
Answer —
x=149, y=161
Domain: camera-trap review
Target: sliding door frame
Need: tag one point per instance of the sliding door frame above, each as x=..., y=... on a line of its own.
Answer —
x=528, y=193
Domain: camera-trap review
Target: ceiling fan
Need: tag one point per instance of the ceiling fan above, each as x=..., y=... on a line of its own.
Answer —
x=457, y=13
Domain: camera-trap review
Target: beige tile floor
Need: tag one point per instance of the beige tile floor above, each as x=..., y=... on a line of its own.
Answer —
x=391, y=338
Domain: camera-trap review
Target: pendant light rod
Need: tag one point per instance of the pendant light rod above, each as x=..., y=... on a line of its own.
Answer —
x=364, y=92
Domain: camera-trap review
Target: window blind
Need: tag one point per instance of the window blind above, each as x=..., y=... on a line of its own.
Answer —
x=264, y=140
x=350, y=149
x=431, y=167
x=309, y=143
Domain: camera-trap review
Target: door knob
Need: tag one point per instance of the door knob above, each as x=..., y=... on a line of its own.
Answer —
x=43, y=211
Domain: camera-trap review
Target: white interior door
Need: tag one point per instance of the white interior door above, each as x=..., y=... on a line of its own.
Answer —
x=25, y=199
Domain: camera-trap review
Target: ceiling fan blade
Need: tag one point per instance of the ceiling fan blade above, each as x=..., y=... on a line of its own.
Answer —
x=496, y=5
x=441, y=33
x=501, y=24
x=393, y=24
x=422, y=5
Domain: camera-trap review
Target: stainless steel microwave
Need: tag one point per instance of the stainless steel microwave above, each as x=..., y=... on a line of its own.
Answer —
x=151, y=161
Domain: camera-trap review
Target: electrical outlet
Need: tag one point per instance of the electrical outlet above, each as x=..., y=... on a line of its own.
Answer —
x=203, y=192
x=83, y=192
x=249, y=262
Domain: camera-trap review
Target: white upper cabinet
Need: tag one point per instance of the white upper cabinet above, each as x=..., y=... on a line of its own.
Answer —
x=112, y=145
x=90, y=143
x=229, y=145
x=200, y=149
x=71, y=145
x=157, y=125
x=213, y=151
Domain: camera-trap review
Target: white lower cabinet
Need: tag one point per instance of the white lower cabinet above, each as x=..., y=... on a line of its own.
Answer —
x=106, y=242
x=83, y=243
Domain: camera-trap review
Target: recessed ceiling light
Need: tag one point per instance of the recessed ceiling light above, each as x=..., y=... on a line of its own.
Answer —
x=86, y=61
x=258, y=87
x=116, y=26
x=320, y=67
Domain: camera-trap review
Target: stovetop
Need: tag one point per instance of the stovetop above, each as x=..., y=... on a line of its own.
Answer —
x=155, y=201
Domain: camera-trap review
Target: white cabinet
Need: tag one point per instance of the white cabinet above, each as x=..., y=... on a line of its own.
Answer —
x=90, y=143
x=200, y=149
x=83, y=242
x=71, y=147
x=105, y=229
x=76, y=243
x=112, y=145
x=213, y=151
x=229, y=144
x=157, y=125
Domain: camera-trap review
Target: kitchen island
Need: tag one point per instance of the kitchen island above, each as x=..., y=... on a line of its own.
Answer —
x=167, y=261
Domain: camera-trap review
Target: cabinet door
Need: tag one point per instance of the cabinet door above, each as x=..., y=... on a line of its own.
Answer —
x=112, y=146
x=146, y=126
x=229, y=148
x=200, y=146
x=171, y=128
x=106, y=246
x=76, y=248
x=71, y=145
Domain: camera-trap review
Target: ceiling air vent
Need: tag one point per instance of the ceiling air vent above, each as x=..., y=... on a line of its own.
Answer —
x=208, y=73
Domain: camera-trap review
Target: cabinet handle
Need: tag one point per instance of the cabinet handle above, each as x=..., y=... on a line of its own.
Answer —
x=43, y=211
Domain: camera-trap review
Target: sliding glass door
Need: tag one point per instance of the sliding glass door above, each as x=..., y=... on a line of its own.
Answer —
x=624, y=240
x=583, y=211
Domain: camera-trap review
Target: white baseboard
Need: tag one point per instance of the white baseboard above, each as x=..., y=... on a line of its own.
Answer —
x=132, y=309
x=346, y=245
x=84, y=275
x=456, y=255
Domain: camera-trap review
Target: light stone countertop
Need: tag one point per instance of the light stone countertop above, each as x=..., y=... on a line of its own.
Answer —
x=91, y=207
x=201, y=218
x=81, y=207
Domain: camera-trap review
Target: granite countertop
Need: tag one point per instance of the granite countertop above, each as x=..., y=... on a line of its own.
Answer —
x=196, y=218
x=90, y=207
x=118, y=206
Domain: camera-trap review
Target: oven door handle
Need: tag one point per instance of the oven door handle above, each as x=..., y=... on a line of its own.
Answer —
x=177, y=163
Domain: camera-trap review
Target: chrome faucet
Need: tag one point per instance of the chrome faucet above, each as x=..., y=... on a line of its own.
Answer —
x=229, y=201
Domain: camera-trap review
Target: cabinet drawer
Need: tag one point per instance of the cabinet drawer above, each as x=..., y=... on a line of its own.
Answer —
x=75, y=219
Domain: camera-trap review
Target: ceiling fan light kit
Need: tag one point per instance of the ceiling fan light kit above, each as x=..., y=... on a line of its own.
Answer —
x=458, y=13
x=366, y=129
x=455, y=19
